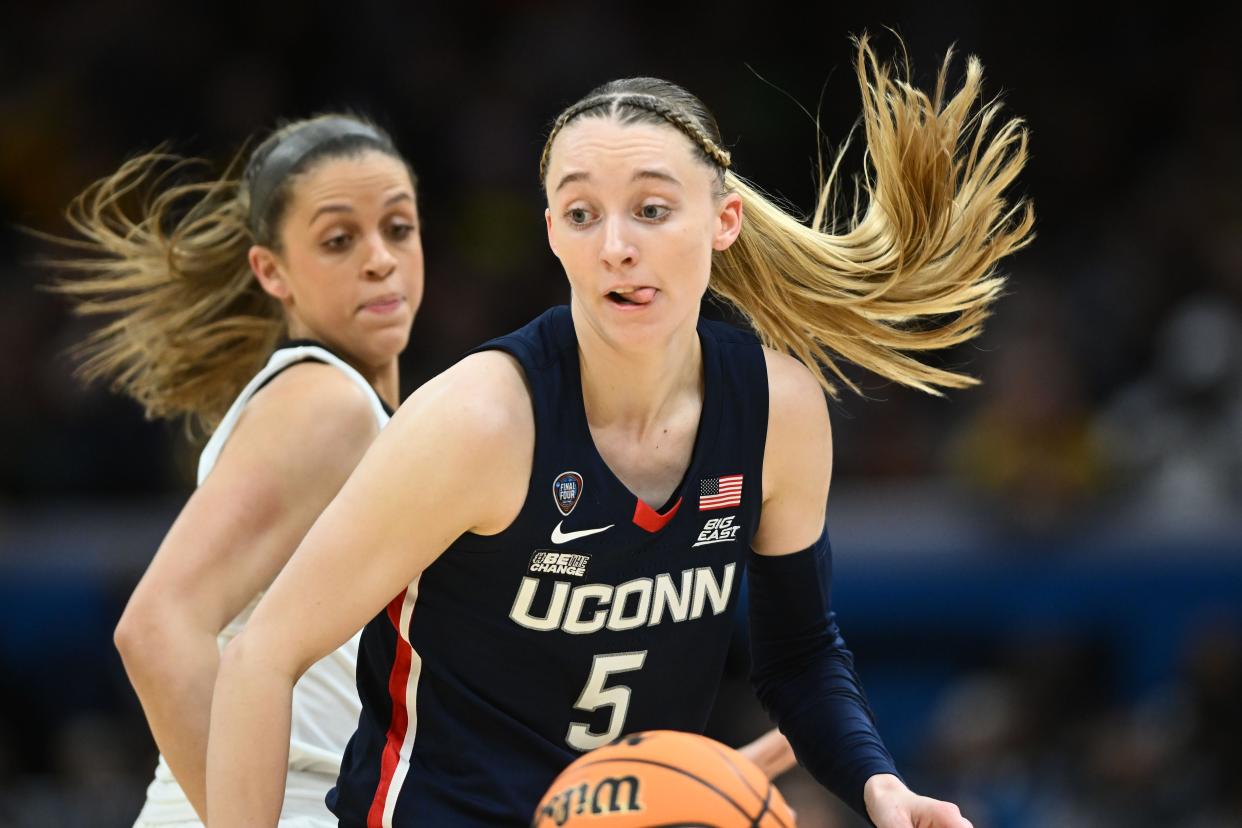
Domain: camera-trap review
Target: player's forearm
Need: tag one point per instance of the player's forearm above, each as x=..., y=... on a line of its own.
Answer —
x=172, y=668
x=804, y=675
x=248, y=749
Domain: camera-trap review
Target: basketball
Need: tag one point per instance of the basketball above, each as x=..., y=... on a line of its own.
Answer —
x=663, y=778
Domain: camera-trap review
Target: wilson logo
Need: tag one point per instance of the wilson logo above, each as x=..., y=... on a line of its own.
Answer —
x=610, y=795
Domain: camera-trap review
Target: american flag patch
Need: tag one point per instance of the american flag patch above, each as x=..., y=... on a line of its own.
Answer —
x=720, y=492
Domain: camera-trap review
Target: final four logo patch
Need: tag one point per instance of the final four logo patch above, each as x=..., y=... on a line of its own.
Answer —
x=566, y=490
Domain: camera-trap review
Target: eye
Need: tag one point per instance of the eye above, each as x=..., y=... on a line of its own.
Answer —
x=653, y=212
x=578, y=216
x=400, y=230
x=338, y=242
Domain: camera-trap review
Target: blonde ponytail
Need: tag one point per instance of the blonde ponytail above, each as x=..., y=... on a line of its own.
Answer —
x=190, y=324
x=916, y=272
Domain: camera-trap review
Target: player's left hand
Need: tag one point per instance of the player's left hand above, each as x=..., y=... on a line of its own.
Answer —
x=890, y=804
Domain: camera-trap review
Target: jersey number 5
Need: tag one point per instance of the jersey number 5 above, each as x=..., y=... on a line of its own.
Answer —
x=595, y=695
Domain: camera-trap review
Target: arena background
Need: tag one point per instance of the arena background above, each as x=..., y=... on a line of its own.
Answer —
x=1042, y=578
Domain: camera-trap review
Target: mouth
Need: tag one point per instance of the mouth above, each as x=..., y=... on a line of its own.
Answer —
x=387, y=303
x=629, y=296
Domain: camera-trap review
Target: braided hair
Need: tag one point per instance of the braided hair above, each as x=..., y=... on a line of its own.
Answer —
x=650, y=100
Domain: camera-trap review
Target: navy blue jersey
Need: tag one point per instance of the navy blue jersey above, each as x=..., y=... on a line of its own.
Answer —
x=591, y=616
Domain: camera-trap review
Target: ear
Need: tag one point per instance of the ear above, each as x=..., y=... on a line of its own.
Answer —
x=728, y=221
x=547, y=219
x=268, y=270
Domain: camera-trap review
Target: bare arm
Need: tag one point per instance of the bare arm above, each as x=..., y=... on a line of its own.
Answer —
x=418, y=488
x=292, y=449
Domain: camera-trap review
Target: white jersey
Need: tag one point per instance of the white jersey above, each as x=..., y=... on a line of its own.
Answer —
x=325, y=699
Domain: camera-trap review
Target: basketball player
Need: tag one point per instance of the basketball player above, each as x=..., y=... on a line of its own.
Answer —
x=563, y=517
x=271, y=309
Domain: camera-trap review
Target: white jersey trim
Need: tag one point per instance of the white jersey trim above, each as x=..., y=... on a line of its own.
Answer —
x=411, y=706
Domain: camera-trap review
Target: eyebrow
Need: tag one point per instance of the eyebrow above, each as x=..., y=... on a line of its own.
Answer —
x=640, y=175
x=345, y=208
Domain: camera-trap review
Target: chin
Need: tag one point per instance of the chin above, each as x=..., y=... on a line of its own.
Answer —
x=393, y=345
x=653, y=333
x=380, y=347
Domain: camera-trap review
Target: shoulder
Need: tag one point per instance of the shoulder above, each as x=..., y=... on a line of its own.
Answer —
x=311, y=413
x=297, y=440
x=484, y=392
x=795, y=397
x=479, y=409
x=473, y=429
x=314, y=394
x=496, y=374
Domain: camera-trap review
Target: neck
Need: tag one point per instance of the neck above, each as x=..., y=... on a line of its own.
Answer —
x=386, y=380
x=636, y=389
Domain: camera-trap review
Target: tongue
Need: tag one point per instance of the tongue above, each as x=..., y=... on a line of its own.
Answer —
x=641, y=296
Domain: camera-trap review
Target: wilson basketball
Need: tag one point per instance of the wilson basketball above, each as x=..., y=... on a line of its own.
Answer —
x=663, y=778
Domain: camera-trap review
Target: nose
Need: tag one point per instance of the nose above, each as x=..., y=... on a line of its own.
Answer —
x=381, y=262
x=618, y=250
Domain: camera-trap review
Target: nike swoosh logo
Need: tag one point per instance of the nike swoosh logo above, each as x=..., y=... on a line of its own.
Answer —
x=565, y=537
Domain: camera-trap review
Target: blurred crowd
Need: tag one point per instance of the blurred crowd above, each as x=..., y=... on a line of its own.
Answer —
x=1111, y=404
x=1039, y=738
